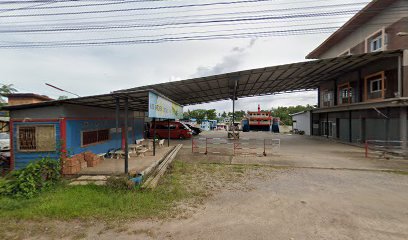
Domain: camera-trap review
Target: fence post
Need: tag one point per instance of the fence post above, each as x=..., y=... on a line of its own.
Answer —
x=264, y=147
x=206, y=151
x=366, y=149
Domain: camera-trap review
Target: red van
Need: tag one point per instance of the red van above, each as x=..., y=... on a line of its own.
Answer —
x=178, y=130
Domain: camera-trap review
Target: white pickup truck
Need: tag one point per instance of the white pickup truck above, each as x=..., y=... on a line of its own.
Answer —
x=4, y=142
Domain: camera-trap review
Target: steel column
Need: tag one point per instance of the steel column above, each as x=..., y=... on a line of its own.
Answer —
x=350, y=130
x=168, y=127
x=117, y=120
x=327, y=125
x=126, y=136
x=154, y=137
x=400, y=76
x=403, y=128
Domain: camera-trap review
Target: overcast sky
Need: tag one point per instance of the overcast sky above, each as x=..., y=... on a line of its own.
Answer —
x=98, y=70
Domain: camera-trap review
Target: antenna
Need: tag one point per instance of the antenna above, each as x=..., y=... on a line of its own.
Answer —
x=62, y=90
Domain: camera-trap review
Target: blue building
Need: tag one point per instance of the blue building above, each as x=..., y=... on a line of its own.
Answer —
x=49, y=131
x=96, y=124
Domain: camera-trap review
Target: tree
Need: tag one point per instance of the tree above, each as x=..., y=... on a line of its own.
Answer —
x=62, y=97
x=200, y=114
x=238, y=115
x=284, y=112
x=4, y=90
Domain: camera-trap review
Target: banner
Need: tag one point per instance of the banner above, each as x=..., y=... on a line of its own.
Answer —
x=160, y=107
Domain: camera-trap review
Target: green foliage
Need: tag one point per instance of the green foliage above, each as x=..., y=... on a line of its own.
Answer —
x=5, y=89
x=238, y=115
x=63, y=97
x=284, y=112
x=201, y=114
x=29, y=181
x=102, y=202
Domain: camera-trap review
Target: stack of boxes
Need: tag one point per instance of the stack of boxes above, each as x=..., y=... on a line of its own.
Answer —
x=80, y=161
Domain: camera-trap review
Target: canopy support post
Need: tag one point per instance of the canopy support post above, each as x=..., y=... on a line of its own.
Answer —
x=154, y=136
x=126, y=136
x=168, y=128
x=117, y=120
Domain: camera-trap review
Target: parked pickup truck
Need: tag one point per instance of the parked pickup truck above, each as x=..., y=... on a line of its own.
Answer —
x=4, y=142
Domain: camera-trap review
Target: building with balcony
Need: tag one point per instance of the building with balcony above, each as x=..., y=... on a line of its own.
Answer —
x=369, y=102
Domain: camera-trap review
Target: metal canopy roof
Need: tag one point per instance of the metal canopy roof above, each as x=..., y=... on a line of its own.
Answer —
x=301, y=76
x=138, y=101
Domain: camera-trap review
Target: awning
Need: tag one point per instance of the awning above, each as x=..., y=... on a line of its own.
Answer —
x=294, y=77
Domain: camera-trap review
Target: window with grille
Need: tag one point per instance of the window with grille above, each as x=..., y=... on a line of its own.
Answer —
x=39, y=138
x=96, y=136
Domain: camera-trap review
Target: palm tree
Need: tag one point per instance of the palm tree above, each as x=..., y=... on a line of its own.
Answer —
x=6, y=89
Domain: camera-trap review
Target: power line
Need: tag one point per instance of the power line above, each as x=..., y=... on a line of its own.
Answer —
x=161, y=13
x=135, y=9
x=216, y=14
x=265, y=17
x=174, y=39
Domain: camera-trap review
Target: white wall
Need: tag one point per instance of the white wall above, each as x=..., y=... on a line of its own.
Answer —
x=302, y=122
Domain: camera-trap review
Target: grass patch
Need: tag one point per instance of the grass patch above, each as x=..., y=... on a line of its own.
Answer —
x=100, y=202
x=396, y=172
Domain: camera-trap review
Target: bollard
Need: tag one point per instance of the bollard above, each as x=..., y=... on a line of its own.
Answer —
x=264, y=152
x=206, y=150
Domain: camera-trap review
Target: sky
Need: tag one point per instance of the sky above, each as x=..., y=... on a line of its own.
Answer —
x=97, y=70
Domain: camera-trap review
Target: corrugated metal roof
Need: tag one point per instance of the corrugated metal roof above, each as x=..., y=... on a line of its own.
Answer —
x=263, y=81
x=138, y=101
x=255, y=82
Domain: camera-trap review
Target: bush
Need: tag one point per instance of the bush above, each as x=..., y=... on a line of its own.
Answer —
x=29, y=181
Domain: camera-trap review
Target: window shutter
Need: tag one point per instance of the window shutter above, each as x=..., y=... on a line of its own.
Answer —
x=46, y=141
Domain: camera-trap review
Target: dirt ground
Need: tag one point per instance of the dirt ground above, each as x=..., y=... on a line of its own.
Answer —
x=295, y=151
x=311, y=189
x=297, y=204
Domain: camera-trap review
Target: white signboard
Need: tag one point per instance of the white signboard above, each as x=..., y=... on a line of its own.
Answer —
x=160, y=107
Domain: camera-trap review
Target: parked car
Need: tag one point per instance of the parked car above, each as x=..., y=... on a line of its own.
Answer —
x=195, y=130
x=4, y=142
x=178, y=130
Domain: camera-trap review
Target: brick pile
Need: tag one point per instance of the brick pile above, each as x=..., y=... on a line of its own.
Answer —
x=74, y=164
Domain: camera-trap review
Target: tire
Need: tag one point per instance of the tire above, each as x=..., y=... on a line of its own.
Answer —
x=181, y=137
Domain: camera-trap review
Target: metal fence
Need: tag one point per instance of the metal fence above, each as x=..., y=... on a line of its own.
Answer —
x=243, y=146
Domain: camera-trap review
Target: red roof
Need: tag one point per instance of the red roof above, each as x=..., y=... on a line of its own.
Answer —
x=363, y=16
x=28, y=95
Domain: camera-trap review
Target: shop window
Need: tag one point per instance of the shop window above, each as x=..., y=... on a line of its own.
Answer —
x=96, y=136
x=36, y=138
x=375, y=86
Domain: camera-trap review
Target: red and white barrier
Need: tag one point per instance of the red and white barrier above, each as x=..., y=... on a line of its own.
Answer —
x=243, y=146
